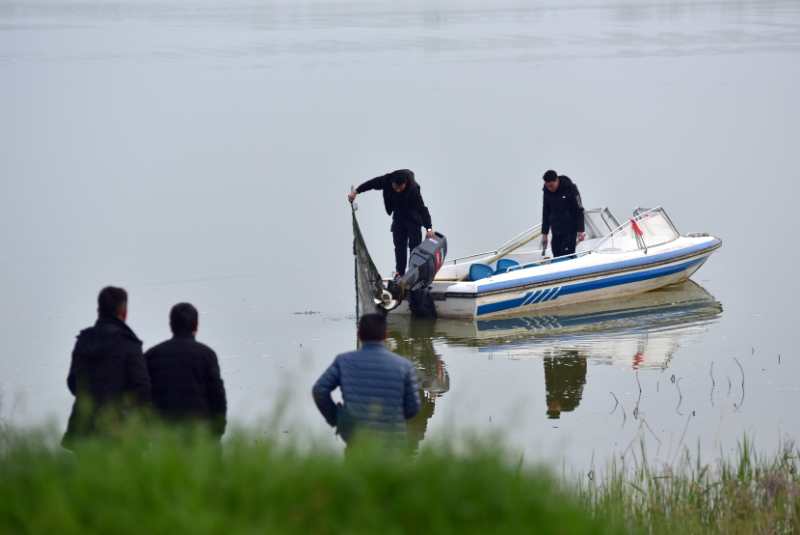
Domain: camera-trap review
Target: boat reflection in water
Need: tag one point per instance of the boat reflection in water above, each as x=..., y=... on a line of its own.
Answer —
x=414, y=340
x=639, y=332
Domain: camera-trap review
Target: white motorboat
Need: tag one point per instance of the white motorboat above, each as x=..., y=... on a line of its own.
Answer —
x=644, y=253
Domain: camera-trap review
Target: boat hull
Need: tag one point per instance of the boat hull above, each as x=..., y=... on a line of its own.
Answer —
x=595, y=289
x=526, y=292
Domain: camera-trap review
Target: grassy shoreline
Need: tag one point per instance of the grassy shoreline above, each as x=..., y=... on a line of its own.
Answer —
x=162, y=482
x=751, y=493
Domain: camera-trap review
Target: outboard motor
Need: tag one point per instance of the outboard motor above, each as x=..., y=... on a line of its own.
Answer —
x=426, y=260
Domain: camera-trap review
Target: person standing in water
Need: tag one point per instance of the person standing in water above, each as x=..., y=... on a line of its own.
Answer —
x=562, y=212
x=402, y=198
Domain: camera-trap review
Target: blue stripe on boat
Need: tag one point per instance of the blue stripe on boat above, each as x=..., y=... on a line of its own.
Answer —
x=594, y=285
x=638, y=262
x=505, y=305
x=554, y=295
x=531, y=296
x=540, y=298
x=547, y=295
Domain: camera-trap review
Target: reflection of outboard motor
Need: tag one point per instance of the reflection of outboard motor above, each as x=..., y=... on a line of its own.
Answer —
x=425, y=261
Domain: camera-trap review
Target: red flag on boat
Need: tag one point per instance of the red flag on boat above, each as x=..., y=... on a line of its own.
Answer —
x=636, y=228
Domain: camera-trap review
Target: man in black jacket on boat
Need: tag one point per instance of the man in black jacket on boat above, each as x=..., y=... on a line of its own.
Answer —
x=402, y=198
x=562, y=212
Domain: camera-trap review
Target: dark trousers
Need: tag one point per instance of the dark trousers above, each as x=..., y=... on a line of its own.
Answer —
x=564, y=244
x=406, y=236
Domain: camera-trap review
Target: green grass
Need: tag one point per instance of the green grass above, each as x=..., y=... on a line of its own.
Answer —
x=166, y=484
x=751, y=493
x=169, y=483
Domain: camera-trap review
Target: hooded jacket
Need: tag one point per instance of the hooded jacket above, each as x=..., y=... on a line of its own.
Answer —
x=562, y=210
x=108, y=378
x=407, y=206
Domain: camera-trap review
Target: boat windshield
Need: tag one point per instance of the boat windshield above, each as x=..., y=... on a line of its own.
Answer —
x=599, y=223
x=644, y=230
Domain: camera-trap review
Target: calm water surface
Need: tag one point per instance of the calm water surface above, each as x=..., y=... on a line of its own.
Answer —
x=198, y=150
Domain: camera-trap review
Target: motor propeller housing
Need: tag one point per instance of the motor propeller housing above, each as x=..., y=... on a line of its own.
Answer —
x=426, y=260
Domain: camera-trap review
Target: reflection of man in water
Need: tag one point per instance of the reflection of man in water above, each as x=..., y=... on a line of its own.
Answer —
x=564, y=377
x=416, y=343
x=433, y=384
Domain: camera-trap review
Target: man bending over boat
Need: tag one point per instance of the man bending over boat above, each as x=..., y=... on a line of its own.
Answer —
x=562, y=212
x=402, y=198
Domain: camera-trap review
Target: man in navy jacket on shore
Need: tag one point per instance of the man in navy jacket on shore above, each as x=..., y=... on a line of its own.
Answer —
x=379, y=389
x=187, y=385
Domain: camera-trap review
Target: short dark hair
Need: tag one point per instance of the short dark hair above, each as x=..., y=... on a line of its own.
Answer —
x=372, y=328
x=110, y=301
x=550, y=176
x=399, y=178
x=183, y=318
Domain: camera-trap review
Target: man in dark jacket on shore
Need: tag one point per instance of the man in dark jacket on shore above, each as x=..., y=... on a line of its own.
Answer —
x=187, y=386
x=107, y=376
x=402, y=198
x=379, y=389
x=562, y=212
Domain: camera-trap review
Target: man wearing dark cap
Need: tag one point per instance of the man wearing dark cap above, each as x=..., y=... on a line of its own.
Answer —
x=107, y=376
x=402, y=198
x=562, y=213
x=187, y=385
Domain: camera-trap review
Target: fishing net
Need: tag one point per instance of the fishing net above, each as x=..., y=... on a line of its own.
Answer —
x=367, y=278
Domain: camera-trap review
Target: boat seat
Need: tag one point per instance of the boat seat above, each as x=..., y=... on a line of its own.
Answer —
x=504, y=264
x=480, y=271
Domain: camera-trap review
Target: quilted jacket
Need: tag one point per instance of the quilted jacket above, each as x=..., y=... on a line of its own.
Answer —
x=379, y=390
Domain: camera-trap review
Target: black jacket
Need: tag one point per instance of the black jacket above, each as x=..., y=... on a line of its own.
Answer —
x=407, y=206
x=562, y=210
x=108, y=378
x=187, y=386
